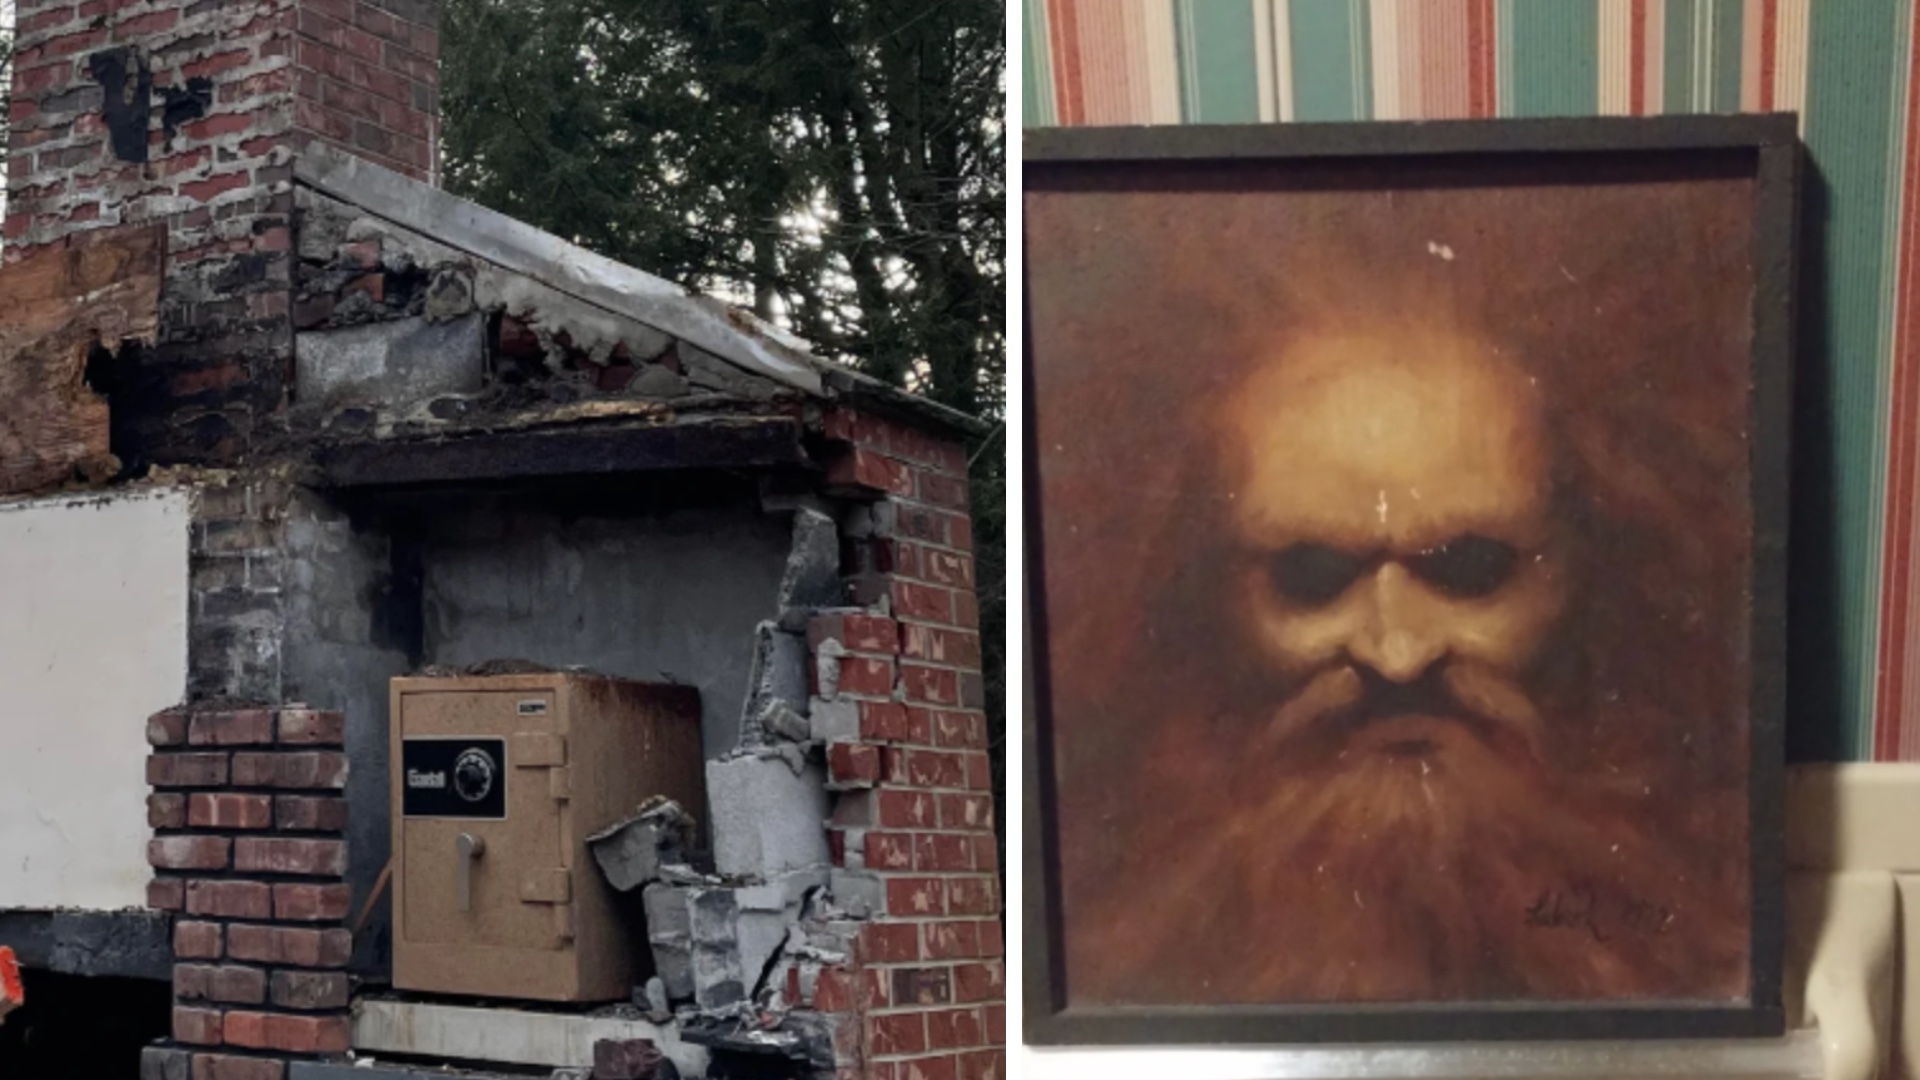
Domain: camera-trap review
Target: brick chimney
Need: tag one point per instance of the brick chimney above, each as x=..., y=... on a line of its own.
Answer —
x=189, y=113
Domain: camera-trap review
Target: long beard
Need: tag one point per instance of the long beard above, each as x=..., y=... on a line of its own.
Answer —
x=1423, y=859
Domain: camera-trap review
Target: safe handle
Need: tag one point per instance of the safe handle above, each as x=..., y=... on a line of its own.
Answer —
x=469, y=848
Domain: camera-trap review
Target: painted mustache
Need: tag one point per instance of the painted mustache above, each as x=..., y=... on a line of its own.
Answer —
x=1346, y=698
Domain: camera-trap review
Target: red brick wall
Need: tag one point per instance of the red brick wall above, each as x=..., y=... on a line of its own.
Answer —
x=926, y=979
x=366, y=79
x=220, y=182
x=359, y=73
x=249, y=853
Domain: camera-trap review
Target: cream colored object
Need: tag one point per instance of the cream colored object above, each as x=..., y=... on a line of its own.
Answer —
x=1841, y=934
x=93, y=639
x=1907, y=1019
x=1853, y=858
x=511, y=905
x=1854, y=817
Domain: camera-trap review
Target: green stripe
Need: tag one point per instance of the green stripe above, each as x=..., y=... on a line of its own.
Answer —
x=1856, y=71
x=1036, y=67
x=1555, y=50
x=1702, y=64
x=1724, y=21
x=1219, y=65
x=1677, y=65
x=1332, y=78
x=1503, y=58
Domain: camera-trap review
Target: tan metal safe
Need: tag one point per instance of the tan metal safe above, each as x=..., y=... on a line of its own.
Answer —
x=497, y=781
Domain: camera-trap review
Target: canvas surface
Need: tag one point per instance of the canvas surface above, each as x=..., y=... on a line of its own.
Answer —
x=1397, y=545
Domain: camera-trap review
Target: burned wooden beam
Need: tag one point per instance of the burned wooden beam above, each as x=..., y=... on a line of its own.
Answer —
x=58, y=309
x=708, y=443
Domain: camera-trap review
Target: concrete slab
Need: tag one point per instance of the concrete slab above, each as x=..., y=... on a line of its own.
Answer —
x=768, y=818
x=126, y=944
x=386, y=363
x=505, y=1036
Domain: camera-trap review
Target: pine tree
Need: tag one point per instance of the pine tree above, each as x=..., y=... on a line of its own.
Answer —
x=837, y=165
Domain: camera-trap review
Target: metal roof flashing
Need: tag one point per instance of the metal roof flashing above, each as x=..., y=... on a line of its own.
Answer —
x=729, y=333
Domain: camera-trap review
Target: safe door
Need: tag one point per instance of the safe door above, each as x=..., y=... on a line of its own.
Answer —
x=483, y=881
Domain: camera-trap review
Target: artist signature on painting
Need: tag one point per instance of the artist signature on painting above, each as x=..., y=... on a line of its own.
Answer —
x=1577, y=905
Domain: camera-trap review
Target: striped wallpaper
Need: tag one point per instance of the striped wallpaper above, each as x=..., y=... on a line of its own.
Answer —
x=1848, y=67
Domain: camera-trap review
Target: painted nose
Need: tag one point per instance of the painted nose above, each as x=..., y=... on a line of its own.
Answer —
x=1398, y=639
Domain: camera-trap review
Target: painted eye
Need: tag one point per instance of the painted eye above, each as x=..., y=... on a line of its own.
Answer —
x=1314, y=574
x=1467, y=566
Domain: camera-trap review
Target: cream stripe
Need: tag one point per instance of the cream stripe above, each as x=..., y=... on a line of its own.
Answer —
x=1790, y=38
x=1616, y=57
x=1112, y=43
x=1263, y=56
x=1097, y=62
x=1163, y=63
x=1283, y=60
x=1113, y=64
x=1751, y=15
x=1413, y=98
x=1443, y=62
x=1385, y=39
x=1139, y=64
x=1656, y=61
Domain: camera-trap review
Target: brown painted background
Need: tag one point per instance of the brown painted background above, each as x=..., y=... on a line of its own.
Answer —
x=1626, y=292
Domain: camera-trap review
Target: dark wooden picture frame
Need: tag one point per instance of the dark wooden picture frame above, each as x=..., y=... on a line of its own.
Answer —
x=1768, y=146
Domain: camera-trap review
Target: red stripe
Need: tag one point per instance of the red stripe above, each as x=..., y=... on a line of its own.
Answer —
x=1637, y=60
x=1480, y=49
x=1069, y=101
x=1444, y=59
x=1891, y=706
x=1769, y=41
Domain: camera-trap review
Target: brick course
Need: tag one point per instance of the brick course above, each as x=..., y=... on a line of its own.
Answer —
x=926, y=984
x=262, y=939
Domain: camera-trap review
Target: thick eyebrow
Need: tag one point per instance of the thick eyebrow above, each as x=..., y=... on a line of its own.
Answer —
x=1366, y=539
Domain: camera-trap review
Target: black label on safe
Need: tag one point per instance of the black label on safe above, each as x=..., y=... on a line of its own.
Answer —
x=460, y=778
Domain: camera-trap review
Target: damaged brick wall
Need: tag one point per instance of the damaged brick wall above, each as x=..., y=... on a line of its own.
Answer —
x=899, y=700
x=188, y=114
x=249, y=853
x=367, y=77
x=196, y=138
x=73, y=318
x=237, y=566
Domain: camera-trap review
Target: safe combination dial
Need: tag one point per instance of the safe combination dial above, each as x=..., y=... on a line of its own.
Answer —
x=473, y=773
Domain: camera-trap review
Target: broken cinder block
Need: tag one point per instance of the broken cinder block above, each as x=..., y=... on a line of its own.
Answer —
x=630, y=853
x=714, y=918
x=767, y=814
x=670, y=934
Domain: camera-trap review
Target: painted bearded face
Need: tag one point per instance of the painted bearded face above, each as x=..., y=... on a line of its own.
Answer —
x=1399, y=564
x=1376, y=809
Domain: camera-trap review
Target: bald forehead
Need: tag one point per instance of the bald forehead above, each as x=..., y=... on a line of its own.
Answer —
x=1394, y=440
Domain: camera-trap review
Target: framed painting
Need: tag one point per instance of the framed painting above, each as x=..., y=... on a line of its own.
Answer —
x=1406, y=554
